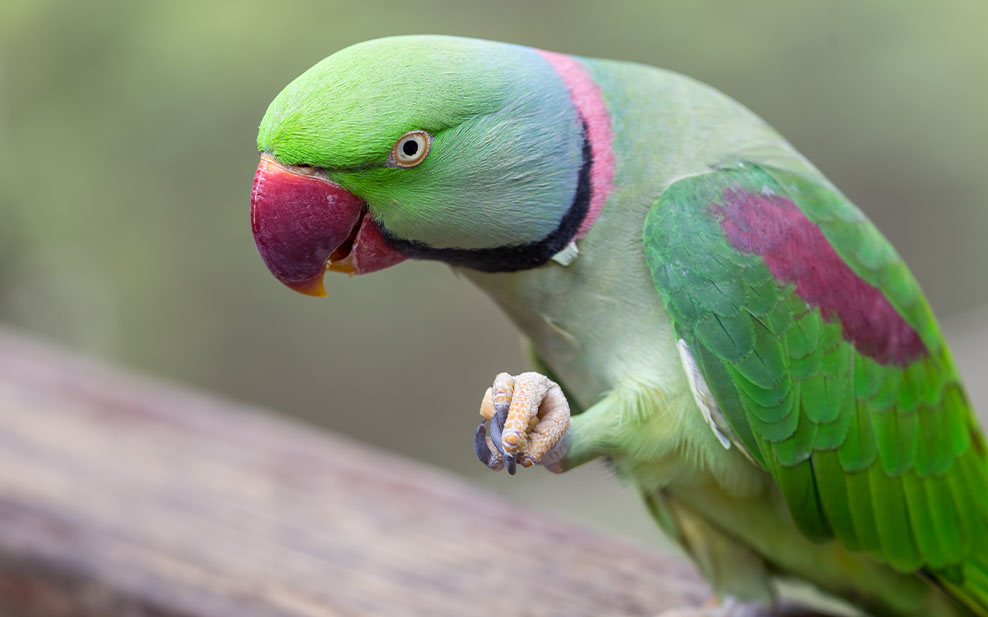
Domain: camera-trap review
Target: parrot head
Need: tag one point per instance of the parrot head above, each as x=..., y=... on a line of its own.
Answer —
x=465, y=151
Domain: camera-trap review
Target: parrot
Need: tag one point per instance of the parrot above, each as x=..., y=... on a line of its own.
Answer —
x=704, y=311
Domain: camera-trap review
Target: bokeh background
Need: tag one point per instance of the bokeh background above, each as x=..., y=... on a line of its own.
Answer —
x=127, y=152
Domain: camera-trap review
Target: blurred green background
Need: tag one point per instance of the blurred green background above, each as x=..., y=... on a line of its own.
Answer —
x=127, y=152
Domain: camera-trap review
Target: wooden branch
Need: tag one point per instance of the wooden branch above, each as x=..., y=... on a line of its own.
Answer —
x=119, y=496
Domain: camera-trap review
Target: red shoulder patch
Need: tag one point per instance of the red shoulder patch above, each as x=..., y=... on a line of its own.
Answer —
x=796, y=251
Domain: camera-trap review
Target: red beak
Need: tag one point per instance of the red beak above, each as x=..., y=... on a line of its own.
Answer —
x=304, y=224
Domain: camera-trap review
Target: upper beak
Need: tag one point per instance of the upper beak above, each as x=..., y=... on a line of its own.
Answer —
x=299, y=219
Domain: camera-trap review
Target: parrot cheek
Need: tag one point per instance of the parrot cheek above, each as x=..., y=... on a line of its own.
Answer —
x=304, y=224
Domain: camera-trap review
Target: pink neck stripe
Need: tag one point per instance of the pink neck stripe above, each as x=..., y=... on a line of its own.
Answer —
x=589, y=103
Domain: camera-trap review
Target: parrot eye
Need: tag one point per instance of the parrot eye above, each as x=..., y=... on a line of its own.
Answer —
x=410, y=149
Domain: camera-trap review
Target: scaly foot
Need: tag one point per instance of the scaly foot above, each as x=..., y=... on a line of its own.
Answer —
x=525, y=421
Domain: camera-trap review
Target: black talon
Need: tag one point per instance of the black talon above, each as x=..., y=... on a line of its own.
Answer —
x=497, y=426
x=480, y=445
x=509, y=463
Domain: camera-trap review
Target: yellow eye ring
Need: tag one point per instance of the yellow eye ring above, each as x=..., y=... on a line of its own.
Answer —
x=411, y=149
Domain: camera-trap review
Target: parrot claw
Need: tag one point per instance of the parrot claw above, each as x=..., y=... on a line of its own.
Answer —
x=509, y=463
x=480, y=445
x=487, y=442
x=497, y=428
x=526, y=419
x=486, y=451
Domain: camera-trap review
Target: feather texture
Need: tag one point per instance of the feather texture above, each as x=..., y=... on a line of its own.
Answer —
x=825, y=360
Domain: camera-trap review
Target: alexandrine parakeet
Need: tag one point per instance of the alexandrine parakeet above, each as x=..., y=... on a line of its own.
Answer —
x=704, y=309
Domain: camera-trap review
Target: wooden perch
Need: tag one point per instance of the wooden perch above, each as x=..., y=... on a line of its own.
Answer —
x=119, y=496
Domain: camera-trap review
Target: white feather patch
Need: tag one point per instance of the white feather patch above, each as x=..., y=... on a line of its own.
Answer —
x=566, y=256
x=703, y=397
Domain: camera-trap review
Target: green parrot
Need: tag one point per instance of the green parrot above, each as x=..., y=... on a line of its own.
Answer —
x=704, y=309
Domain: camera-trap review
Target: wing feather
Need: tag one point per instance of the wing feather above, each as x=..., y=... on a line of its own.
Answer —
x=827, y=363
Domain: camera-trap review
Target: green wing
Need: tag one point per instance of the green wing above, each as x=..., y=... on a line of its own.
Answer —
x=828, y=365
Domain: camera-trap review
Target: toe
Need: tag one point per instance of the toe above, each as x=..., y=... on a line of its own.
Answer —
x=501, y=391
x=552, y=423
x=528, y=392
x=487, y=409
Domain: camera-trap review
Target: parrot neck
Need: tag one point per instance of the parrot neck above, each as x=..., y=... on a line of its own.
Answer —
x=595, y=182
